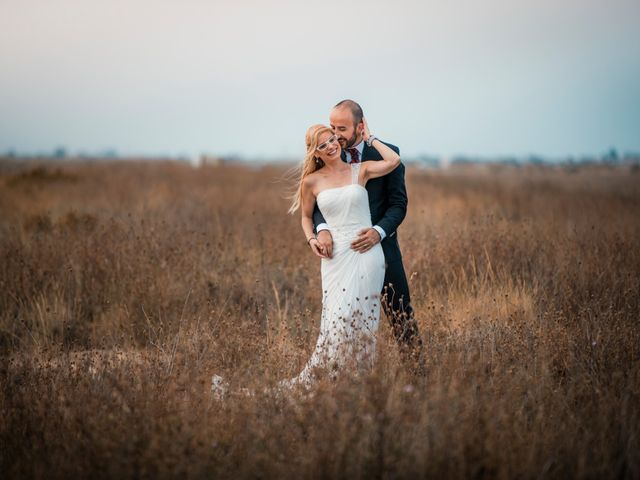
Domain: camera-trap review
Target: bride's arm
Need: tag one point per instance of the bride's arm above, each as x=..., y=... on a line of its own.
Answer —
x=390, y=159
x=308, y=202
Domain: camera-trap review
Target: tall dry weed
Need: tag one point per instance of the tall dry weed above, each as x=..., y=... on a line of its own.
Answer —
x=125, y=285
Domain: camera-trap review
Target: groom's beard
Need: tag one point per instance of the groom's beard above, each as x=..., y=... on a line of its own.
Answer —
x=350, y=142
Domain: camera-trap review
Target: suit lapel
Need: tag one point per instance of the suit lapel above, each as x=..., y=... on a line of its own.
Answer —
x=369, y=153
x=365, y=152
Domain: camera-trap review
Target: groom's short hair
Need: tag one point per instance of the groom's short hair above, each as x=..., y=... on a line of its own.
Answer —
x=356, y=110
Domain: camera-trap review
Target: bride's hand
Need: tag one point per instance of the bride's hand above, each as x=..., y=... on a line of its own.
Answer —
x=317, y=248
x=365, y=132
x=326, y=242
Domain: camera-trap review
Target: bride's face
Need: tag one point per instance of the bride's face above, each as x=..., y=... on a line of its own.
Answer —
x=328, y=147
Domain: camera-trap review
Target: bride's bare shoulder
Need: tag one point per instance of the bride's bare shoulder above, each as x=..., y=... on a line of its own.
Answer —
x=311, y=181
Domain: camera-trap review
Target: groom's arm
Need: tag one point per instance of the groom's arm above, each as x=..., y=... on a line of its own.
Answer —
x=323, y=234
x=319, y=222
x=397, y=200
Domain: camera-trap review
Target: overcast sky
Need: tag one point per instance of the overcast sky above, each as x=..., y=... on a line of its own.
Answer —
x=495, y=77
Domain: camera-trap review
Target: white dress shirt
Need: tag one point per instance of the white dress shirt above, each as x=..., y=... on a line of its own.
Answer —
x=379, y=229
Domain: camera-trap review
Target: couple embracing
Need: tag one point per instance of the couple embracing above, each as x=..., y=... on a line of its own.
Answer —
x=352, y=196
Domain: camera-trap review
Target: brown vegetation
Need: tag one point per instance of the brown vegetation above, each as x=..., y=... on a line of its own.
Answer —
x=124, y=286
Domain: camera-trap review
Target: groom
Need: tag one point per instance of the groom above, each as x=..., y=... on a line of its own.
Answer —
x=388, y=205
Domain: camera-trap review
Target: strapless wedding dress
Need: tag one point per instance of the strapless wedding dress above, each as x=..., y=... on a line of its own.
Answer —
x=351, y=286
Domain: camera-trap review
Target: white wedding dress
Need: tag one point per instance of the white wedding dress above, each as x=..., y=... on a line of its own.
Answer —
x=351, y=286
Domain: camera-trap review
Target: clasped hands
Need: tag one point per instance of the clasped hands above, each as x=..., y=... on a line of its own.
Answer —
x=366, y=239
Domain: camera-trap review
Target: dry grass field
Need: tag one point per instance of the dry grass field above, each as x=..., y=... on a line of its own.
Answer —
x=125, y=285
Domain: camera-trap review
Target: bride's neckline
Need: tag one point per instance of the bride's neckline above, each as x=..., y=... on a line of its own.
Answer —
x=342, y=186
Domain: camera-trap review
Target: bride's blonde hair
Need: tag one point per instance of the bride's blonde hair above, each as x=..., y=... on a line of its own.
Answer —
x=311, y=162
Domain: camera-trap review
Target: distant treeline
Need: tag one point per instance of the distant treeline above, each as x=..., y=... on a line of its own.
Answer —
x=610, y=157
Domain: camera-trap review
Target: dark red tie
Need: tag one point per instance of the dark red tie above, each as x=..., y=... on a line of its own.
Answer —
x=355, y=155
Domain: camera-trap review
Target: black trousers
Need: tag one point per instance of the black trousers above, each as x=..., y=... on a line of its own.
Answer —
x=397, y=306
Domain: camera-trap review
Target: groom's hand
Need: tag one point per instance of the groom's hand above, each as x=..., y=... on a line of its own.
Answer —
x=367, y=238
x=326, y=242
x=317, y=248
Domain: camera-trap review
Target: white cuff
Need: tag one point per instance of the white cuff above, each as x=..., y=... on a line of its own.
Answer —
x=322, y=226
x=380, y=231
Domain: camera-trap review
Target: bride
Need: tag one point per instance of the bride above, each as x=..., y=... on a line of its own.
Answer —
x=351, y=281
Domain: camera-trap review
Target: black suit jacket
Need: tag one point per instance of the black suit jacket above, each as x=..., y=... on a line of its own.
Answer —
x=387, y=202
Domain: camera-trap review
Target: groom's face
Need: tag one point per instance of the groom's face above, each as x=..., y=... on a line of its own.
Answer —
x=343, y=125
